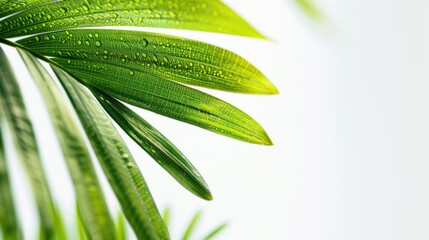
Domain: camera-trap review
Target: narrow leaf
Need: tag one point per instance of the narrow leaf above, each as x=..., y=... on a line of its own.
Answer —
x=8, y=7
x=166, y=216
x=310, y=8
x=83, y=230
x=59, y=226
x=9, y=223
x=121, y=229
x=191, y=226
x=94, y=210
x=172, y=58
x=168, y=98
x=215, y=232
x=203, y=15
x=117, y=162
x=156, y=145
x=25, y=142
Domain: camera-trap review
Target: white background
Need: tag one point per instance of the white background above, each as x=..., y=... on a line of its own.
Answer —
x=350, y=129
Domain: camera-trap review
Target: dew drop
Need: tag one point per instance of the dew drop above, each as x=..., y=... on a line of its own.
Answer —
x=79, y=42
x=131, y=73
x=98, y=43
x=145, y=42
x=87, y=43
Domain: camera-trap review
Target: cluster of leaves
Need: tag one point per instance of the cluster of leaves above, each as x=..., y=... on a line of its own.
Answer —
x=97, y=68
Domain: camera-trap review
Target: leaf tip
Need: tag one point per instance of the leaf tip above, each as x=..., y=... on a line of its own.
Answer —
x=266, y=140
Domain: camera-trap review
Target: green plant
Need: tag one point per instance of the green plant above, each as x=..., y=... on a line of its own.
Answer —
x=98, y=68
x=190, y=228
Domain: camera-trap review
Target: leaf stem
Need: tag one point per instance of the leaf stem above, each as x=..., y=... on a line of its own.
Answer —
x=37, y=55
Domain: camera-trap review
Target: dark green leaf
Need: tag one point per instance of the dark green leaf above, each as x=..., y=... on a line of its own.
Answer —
x=10, y=228
x=168, y=98
x=94, y=210
x=203, y=15
x=25, y=142
x=117, y=162
x=156, y=145
x=172, y=58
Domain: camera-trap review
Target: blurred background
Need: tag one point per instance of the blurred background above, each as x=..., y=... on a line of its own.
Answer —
x=350, y=129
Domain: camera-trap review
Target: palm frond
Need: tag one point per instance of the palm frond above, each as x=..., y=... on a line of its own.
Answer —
x=97, y=68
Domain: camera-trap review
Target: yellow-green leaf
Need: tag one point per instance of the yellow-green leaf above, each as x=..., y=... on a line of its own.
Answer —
x=167, y=57
x=167, y=98
x=203, y=15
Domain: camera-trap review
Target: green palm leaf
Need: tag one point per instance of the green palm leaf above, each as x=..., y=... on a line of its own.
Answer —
x=156, y=145
x=22, y=132
x=89, y=194
x=167, y=98
x=121, y=229
x=204, y=15
x=172, y=58
x=10, y=228
x=13, y=6
x=140, y=68
x=117, y=162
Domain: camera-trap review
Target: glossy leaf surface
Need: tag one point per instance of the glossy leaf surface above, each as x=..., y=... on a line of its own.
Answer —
x=168, y=98
x=156, y=145
x=203, y=15
x=167, y=57
x=117, y=162
x=13, y=6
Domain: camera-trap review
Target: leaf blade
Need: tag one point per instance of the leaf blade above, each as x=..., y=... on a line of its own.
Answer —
x=191, y=226
x=169, y=99
x=215, y=232
x=156, y=145
x=203, y=15
x=95, y=213
x=117, y=162
x=9, y=222
x=172, y=58
x=23, y=135
x=15, y=6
